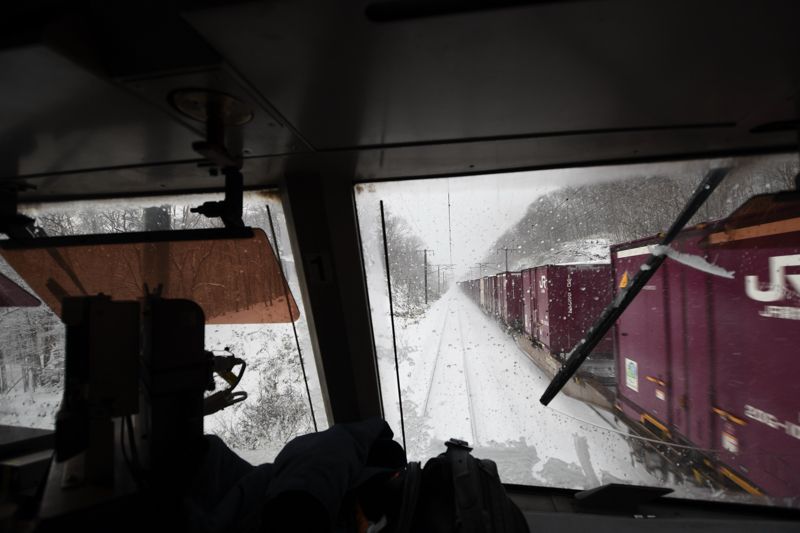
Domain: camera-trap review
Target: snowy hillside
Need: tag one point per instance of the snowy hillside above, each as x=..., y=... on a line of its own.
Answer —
x=577, y=223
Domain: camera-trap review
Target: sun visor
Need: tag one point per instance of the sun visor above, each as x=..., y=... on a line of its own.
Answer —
x=12, y=295
x=231, y=273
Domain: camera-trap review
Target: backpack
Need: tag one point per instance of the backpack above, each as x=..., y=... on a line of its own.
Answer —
x=457, y=493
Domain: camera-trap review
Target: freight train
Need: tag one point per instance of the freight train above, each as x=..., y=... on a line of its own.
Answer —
x=706, y=356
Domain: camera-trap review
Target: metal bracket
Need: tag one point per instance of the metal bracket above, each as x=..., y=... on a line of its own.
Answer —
x=215, y=151
x=230, y=209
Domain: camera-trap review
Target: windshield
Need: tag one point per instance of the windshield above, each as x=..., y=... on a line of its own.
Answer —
x=237, y=281
x=494, y=279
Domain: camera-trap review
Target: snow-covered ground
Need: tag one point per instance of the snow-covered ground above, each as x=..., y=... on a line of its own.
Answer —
x=469, y=380
x=30, y=409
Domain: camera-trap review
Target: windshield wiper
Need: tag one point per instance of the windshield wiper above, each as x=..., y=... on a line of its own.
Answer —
x=610, y=314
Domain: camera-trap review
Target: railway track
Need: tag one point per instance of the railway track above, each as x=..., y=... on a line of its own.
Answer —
x=436, y=368
x=436, y=360
x=470, y=407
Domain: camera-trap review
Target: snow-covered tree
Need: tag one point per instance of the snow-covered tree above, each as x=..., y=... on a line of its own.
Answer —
x=571, y=224
x=407, y=267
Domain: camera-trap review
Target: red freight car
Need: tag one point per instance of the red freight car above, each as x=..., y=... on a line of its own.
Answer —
x=527, y=301
x=566, y=300
x=475, y=290
x=472, y=287
x=486, y=295
x=509, y=298
x=713, y=361
x=469, y=287
x=493, y=307
x=653, y=340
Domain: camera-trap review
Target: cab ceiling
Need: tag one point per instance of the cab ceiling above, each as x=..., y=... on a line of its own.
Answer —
x=388, y=89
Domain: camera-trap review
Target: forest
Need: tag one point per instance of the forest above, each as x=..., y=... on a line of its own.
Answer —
x=417, y=279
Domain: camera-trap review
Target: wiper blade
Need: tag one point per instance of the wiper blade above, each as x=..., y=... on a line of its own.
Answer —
x=610, y=314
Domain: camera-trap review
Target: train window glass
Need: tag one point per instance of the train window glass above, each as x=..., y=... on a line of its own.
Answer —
x=495, y=278
x=277, y=408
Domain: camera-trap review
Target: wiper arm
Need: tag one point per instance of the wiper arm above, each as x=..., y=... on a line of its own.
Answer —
x=612, y=312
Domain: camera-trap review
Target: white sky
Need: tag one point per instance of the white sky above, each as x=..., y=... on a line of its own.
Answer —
x=481, y=209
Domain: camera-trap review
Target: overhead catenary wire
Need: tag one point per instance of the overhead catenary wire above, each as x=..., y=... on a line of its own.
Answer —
x=449, y=224
x=286, y=293
x=391, y=318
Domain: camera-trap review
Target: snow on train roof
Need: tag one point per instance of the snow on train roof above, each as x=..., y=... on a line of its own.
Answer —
x=578, y=252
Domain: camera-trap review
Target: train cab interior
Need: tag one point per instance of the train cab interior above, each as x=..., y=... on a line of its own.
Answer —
x=261, y=219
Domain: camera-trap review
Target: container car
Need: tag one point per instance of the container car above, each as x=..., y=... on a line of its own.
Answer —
x=709, y=359
x=528, y=303
x=509, y=298
x=493, y=307
x=475, y=289
x=565, y=301
x=486, y=294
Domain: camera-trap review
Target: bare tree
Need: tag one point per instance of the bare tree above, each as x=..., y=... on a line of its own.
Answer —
x=407, y=267
x=278, y=411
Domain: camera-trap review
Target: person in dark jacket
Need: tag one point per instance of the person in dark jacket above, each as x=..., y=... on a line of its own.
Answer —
x=313, y=485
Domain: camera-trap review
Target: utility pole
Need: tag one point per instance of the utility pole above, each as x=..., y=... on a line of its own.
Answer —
x=506, y=250
x=425, y=262
x=439, y=269
x=481, y=265
x=450, y=226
